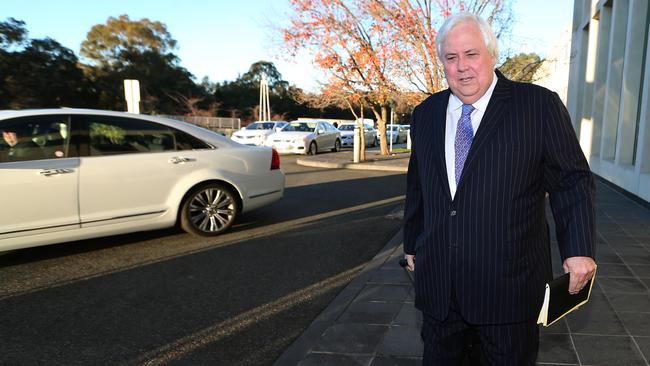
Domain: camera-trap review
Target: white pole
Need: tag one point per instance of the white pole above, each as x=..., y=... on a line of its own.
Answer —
x=391, y=130
x=357, y=143
x=268, y=105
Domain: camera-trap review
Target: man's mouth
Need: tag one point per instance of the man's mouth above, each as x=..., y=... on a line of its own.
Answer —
x=465, y=79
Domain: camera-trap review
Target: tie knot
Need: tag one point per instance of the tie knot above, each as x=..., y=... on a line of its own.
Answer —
x=467, y=109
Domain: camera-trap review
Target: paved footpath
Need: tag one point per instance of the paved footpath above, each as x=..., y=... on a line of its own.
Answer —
x=373, y=320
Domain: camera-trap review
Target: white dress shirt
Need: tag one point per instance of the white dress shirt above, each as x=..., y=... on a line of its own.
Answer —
x=454, y=110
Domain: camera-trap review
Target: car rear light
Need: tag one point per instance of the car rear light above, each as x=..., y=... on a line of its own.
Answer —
x=275, y=160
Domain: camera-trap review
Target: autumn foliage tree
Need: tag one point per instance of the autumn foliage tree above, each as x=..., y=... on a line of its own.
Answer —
x=376, y=50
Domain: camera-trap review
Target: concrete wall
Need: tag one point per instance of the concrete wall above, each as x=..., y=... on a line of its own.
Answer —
x=609, y=89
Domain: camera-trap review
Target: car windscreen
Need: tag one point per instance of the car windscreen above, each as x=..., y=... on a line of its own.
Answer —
x=260, y=126
x=300, y=126
x=346, y=128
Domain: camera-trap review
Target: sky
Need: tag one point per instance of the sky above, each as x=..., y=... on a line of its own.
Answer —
x=220, y=39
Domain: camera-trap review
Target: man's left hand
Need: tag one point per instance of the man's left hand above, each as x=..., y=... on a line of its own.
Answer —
x=582, y=269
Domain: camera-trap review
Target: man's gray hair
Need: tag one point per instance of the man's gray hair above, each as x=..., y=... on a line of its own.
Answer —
x=465, y=17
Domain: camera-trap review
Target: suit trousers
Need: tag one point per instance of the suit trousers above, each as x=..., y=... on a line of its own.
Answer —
x=454, y=341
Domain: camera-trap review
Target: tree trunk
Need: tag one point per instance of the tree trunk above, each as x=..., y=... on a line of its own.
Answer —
x=382, y=116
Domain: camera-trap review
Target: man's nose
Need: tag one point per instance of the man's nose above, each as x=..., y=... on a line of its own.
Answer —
x=462, y=64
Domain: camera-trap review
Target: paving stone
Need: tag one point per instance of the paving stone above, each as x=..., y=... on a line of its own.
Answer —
x=370, y=312
x=396, y=276
x=641, y=270
x=389, y=293
x=637, y=323
x=409, y=315
x=607, y=350
x=614, y=270
x=595, y=322
x=351, y=338
x=618, y=285
x=556, y=348
x=401, y=341
x=630, y=302
x=644, y=344
x=328, y=359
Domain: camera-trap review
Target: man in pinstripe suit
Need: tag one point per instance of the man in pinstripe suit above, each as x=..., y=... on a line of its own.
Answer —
x=485, y=153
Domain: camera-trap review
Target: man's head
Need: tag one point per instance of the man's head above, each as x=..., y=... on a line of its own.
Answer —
x=10, y=137
x=468, y=50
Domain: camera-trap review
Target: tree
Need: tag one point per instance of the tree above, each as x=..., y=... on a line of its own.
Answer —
x=12, y=31
x=38, y=73
x=139, y=49
x=376, y=48
x=522, y=67
x=105, y=43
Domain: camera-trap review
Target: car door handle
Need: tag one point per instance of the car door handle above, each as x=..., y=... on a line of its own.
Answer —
x=180, y=160
x=51, y=172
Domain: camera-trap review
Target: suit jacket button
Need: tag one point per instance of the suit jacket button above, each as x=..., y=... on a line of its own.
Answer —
x=452, y=213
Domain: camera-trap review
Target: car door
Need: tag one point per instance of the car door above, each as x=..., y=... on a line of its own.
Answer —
x=330, y=134
x=39, y=171
x=129, y=167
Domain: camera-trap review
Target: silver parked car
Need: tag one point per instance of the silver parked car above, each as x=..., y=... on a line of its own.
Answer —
x=305, y=137
x=70, y=174
x=347, y=134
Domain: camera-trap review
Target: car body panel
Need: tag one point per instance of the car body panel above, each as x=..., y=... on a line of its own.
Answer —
x=125, y=192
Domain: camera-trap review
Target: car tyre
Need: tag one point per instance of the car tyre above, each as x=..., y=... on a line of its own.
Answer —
x=337, y=146
x=209, y=210
x=313, y=149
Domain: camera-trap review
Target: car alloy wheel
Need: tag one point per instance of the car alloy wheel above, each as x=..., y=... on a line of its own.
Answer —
x=313, y=149
x=209, y=210
x=337, y=145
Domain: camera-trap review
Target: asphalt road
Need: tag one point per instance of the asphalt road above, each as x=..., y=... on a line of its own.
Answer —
x=168, y=298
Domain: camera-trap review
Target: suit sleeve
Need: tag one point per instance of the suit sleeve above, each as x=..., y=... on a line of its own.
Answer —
x=413, y=212
x=569, y=183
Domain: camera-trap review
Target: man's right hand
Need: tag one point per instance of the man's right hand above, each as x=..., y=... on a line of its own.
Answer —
x=410, y=259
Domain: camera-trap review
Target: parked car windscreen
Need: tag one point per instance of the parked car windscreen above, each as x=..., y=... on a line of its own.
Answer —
x=260, y=126
x=300, y=126
x=346, y=127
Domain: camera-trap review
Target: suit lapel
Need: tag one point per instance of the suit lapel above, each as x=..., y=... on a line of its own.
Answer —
x=496, y=109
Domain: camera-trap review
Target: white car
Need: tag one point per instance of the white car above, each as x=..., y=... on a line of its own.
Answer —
x=256, y=133
x=70, y=174
x=305, y=137
x=397, y=133
x=347, y=134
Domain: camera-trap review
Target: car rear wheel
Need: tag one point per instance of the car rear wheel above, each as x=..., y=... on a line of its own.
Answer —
x=313, y=149
x=337, y=145
x=209, y=210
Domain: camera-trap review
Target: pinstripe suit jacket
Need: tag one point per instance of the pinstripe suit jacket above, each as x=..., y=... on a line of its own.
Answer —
x=490, y=244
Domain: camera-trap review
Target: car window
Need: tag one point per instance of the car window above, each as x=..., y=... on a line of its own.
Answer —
x=300, y=126
x=34, y=138
x=260, y=126
x=185, y=141
x=346, y=127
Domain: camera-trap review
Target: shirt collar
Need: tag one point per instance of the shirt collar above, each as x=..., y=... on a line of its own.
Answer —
x=480, y=104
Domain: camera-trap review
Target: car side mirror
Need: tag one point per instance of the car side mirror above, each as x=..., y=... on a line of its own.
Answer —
x=320, y=132
x=278, y=129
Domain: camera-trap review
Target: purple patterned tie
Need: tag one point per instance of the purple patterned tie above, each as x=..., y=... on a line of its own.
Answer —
x=464, y=136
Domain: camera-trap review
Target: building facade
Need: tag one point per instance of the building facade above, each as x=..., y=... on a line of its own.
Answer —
x=609, y=89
